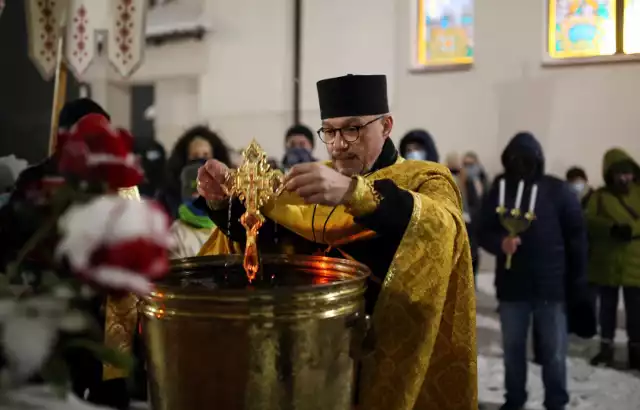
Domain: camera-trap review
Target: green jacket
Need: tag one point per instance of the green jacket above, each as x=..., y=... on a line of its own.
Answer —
x=613, y=262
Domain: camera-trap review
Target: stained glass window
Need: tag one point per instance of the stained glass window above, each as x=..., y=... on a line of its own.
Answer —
x=444, y=32
x=631, y=29
x=582, y=28
x=593, y=28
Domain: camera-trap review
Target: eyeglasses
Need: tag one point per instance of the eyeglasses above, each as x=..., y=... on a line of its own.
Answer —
x=350, y=134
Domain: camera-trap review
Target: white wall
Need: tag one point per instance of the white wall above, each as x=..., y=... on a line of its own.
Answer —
x=577, y=112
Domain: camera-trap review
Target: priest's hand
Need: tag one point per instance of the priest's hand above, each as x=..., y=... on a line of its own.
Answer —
x=211, y=177
x=318, y=184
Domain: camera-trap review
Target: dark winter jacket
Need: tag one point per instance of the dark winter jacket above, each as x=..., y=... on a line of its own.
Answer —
x=551, y=260
x=614, y=260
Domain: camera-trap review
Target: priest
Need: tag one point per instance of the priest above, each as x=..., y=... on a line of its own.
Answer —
x=402, y=219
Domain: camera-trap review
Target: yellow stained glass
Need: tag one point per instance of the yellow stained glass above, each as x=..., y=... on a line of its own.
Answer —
x=631, y=30
x=445, y=32
x=581, y=28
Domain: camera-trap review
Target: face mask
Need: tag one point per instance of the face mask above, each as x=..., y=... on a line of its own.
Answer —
x=522, y=166
x=188, y=178
x=578, y=187
x=418, y=155
x=295, y=156
x=621, y=185
x=473, y=171
x=4, y=199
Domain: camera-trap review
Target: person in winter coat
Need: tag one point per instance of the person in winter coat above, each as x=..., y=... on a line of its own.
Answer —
x=613, y=217
x=299, y=144
x=579, y=183
x=193, y=226
x=419, y=145
x=547, y=280
x=470, y=202
x=24, y=204
x=476, y=172
x=197, y=143
x=153, y=159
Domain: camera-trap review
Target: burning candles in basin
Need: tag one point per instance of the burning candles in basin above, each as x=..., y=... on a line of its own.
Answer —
x=514, y=220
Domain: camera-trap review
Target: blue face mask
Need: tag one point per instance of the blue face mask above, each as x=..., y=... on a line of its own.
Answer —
x=295, y=156
x=473, y=171
x=418, y=155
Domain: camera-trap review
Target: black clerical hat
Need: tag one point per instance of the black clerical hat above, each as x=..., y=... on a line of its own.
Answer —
x=353, y=96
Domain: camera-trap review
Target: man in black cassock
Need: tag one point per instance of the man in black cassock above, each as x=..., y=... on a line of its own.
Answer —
x=402, y=219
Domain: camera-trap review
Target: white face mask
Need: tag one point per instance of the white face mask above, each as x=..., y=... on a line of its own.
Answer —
x=418, y=155
x=578, y=187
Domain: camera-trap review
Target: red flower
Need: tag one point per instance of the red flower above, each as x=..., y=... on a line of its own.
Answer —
x=92, y=150
x=116, y=243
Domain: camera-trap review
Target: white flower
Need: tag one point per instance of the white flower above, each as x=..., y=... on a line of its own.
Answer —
x=27, y=342
x=109, y=222
x=73, y=322
x=29, y=331
x=63, y=292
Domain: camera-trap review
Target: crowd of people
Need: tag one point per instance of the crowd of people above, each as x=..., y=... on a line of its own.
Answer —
x=581, y=247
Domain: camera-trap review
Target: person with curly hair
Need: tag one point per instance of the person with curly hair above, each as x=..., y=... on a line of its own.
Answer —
x=196, y=144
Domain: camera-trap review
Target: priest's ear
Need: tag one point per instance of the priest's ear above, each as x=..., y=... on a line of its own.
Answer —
x=387, y=124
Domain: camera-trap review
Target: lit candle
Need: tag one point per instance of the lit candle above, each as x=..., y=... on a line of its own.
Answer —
x=519, y=195
x=532, y=199
x=501, y=194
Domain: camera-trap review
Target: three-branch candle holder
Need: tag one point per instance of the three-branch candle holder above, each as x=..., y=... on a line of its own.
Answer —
x=515, y=223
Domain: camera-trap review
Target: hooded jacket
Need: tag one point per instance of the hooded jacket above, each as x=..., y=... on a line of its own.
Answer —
x=423, y=138
x=612, y=261
x=551, y=259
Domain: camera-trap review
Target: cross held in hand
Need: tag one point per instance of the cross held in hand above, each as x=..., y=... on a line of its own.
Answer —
x=254, y=182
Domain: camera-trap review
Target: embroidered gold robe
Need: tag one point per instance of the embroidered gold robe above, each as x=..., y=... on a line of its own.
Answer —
x=424, y=316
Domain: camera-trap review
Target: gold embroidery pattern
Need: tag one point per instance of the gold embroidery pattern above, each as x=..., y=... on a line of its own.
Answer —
x=121, y=316
x=364, y=198
x=120, y=329
x=424, y=320
x=425, y=354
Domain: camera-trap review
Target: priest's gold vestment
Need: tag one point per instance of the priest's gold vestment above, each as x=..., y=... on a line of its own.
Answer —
x=424, y=318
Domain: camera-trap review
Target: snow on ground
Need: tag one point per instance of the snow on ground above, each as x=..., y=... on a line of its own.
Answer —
x=590, y=388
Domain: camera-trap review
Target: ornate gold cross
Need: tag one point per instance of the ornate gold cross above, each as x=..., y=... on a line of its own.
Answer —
x=254, y=183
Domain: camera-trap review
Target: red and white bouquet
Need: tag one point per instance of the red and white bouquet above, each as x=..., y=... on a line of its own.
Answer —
x=88, y=234
x=116, y=243
x=92, y=150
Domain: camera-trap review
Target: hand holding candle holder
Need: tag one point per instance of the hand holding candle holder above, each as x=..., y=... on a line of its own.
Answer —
x=514, y=221
x=254, y=183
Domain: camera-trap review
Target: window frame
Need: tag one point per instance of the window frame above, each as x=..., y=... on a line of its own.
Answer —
x=415, y=44
x=619, y=56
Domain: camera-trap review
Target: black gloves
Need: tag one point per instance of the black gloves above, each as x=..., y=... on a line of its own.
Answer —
x=581, y=317
x=621, y=232
x=111, y=393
